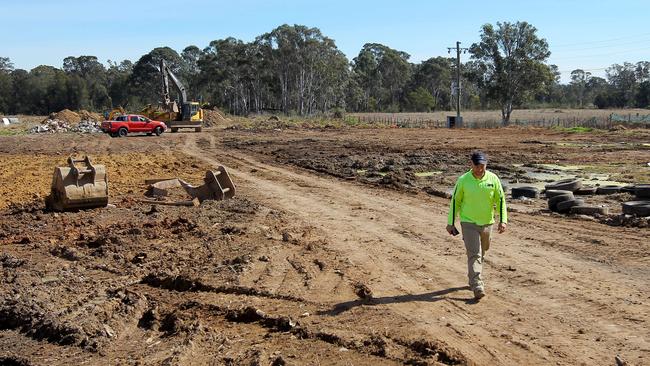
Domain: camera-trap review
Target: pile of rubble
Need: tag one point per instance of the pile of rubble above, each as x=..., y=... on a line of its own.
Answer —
x=57, y=126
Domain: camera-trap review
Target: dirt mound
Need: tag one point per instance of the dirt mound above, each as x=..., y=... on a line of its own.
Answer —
x=214, y=117
x=71, y=117
x=90, y=116
x=65, y=115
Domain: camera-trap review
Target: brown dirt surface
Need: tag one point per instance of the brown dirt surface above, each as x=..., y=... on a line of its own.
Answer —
x=315, y=261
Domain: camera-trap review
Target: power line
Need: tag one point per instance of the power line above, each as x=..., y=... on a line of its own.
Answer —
x=602, y=41
x=596, y=69
x=600, y=55
x=646, y=41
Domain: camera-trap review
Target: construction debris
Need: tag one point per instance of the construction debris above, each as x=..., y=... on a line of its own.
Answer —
x=69, y=121
x=9, y=120
x=58, y=126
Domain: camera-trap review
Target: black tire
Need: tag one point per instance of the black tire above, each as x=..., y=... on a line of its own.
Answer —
x=158, y=131
x=586, y=191
x=565, y=185
x=589, y=210
x=565, y=206
x=555, y=192
x=628, y=189
x=122, y=132
x=638, y=208
x=610, y=189
x=553, y=202
x=642, y=190
x=530, y=192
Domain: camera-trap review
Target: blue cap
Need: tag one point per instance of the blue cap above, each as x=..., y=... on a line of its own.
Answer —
x=479, y=157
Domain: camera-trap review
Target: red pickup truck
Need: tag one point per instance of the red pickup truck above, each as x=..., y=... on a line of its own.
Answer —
x=129, y=123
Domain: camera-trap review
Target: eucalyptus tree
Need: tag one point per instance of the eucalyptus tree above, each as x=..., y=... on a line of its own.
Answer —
x=93, y=75
x=308, y=68
x=6, y=67
x=579, y=80
x=145, y=80
x=434, y=75
x=513, y=58
x=382, y=73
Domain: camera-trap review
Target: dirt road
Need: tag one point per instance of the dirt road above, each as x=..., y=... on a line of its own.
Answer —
x=564, y=291
x=275, y=276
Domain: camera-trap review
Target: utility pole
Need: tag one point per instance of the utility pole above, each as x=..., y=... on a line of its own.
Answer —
x=458, y=50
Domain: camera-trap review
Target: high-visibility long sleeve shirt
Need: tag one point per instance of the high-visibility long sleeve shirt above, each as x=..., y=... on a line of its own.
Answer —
x=475, y=200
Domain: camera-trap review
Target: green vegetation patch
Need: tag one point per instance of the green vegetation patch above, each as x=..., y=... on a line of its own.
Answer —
x=12, y=132
x=576, y=129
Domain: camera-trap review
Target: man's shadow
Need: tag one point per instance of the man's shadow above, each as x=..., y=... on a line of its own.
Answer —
x=428, y=297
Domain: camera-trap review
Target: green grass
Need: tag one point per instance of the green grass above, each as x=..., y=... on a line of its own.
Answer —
x=576, y=129
x=8, y=132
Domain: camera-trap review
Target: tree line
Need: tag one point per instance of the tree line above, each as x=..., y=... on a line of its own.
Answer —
x=298, y=70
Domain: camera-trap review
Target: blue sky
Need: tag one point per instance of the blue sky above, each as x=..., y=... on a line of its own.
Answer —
x=582, y=34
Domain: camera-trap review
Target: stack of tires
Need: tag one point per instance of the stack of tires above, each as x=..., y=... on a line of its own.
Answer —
x=640, y=207
x=561, y=198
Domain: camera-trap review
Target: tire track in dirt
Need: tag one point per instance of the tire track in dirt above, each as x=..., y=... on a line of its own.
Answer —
x=544, y=304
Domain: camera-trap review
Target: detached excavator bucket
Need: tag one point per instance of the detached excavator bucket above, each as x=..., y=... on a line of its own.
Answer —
x=78, y=187
x=217, y=186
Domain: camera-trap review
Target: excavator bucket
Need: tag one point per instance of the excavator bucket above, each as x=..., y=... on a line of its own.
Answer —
x=217, y=186
x=80, y=186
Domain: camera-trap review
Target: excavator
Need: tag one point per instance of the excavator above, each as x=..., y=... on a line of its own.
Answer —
x=189, y=115
x=117, y=111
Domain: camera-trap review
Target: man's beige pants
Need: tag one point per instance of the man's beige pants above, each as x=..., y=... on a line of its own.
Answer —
x=477, y=242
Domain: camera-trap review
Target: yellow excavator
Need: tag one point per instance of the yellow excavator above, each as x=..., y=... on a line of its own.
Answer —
x=118, y=111
x=189, y=115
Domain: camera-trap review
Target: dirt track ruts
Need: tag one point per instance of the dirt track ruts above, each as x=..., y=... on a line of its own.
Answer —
x=556, y=294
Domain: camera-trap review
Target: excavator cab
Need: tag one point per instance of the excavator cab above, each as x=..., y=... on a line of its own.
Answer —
x=192, y=112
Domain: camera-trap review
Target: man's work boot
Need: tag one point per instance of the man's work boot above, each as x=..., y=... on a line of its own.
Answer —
x=479, y=293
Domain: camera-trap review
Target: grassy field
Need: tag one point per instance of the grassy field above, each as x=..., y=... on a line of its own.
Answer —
x=538, y=115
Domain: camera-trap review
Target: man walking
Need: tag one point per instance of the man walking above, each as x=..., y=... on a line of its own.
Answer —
x=476, y=195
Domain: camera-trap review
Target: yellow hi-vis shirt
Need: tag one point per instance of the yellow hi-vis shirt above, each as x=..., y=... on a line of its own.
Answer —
x=475, y=200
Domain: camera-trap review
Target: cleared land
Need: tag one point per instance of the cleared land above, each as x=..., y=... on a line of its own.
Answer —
x=281, y=274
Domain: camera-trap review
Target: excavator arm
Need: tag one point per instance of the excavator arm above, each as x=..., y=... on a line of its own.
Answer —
x=166, y=75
